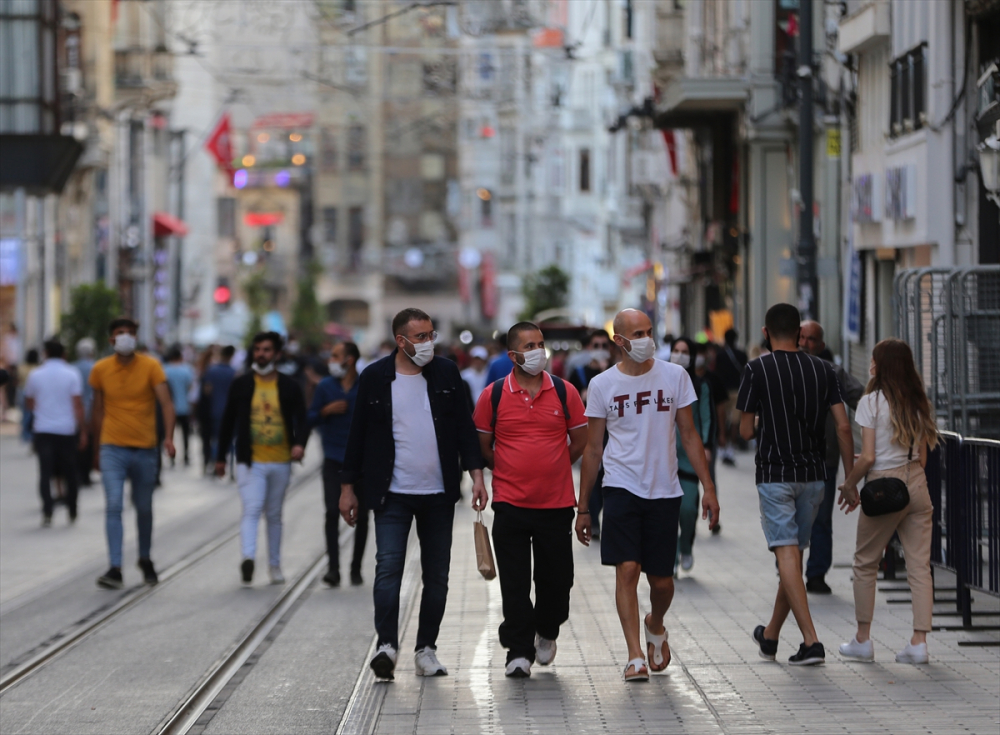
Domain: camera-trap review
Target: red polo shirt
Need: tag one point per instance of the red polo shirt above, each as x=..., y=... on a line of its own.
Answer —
x=531, y=467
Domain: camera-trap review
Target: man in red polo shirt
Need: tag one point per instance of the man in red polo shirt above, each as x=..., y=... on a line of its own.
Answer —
x=523, y=439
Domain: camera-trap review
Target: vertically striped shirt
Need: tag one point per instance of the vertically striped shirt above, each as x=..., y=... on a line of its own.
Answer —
x=791, y=392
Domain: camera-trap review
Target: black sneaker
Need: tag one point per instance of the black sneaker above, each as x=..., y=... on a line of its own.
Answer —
x=111, y=579
x=332, y=578
x=356, y=579
x=246, y=571
x=818, y=586
x=148, y=572
x=808, y=655
x=766, y=648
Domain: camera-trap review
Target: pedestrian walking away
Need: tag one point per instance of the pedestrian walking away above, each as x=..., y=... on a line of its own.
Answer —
x=411, y=437
x=523, y=422
x=180, y=377
x=127, y=387
x=265, y=414
x=791, y=392
x=53, y=394
x=897, y=429
x=215, y=384
x=642, y=403
x=821, y=540
x=331, y=411
x=682, y=353
x=85, y=350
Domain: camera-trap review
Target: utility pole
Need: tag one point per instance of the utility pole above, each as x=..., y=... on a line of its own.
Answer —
x=806, y=252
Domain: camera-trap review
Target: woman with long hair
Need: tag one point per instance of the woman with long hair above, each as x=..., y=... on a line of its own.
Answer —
x=897, y=428
x=684, y=352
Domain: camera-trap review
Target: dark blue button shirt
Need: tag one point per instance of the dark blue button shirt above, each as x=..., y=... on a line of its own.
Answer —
x=334, y=428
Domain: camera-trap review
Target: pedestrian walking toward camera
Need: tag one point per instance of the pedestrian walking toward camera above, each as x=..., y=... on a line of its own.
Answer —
x=180, y=377
x=682, y=354
x=821, y=540
x=266, y=415
x=127, y=387
x=411, y=437
x=643, y=403
x=53, y=394
x=596, y=359
x=523, y=422
x=897, y=428
x=331, y=411
x=791, y=392
x=215, y=384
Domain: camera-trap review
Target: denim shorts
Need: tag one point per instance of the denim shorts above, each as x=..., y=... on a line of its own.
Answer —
x=787, y=511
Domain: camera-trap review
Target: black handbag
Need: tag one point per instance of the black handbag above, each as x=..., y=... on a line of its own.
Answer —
x=883, y=496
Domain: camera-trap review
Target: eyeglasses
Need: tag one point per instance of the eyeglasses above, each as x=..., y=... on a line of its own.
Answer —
x=421, y=337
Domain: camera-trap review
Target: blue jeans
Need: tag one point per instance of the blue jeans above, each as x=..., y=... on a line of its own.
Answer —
x=435, y=515
x=821, y=543
x=787, y=511
x=262, y=488
x=139, y=466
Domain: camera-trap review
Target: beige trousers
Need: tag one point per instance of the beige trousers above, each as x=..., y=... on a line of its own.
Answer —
x=914, y=524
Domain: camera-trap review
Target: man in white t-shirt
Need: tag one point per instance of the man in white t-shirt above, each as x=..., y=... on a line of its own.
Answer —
x=53, y=393
x=641, y=402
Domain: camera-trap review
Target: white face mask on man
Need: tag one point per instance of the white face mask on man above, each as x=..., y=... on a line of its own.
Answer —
x=337, y=370
x=534, y=360
x=642, y=349
x=125, y=344
x=266, y=370
x=423, y=352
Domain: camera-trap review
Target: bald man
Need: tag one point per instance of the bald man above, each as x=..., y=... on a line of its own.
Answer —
x=641, y=402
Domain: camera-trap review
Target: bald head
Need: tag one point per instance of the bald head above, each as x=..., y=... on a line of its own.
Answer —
x=632, y=324
x=811, y=338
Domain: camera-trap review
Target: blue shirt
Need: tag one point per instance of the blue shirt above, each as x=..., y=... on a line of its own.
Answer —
x=336, y=427
x=179, y=378
x=85, y=366
x=499, y=368
x=217, y=379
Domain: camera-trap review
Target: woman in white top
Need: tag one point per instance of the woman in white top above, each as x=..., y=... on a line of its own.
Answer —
x=897, y=426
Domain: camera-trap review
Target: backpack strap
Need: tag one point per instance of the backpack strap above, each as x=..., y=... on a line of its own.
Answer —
x=496, y=390
x=560, y=387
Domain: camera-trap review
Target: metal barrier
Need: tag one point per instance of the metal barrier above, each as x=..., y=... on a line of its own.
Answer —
x=950, y=317
x=963, y=476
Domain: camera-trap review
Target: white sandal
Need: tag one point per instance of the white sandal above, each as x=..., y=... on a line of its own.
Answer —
x=657, y=642
x=641, y=672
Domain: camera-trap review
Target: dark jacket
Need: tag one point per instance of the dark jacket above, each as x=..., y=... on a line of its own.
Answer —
x=236, y=417
x=371, y=449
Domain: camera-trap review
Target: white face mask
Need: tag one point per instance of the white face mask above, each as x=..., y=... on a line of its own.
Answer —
x=337, y=370
x=534, y=360
x=680, y=358
x=642, y=349
x=125, y=344
x=423, y=352
x=600, y=355
x=266, y=370
x=699, y=362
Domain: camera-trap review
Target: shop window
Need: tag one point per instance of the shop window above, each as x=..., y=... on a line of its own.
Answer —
x=584, y=169
x=329, y=225
x=356, y=148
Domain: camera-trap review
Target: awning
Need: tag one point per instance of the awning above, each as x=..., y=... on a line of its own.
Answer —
x=165, y=225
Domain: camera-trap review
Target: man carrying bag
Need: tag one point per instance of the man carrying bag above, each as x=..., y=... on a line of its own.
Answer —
x=523, y=421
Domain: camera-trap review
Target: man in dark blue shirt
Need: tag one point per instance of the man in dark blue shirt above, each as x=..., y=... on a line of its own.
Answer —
x=331, y=410
x=215, y=387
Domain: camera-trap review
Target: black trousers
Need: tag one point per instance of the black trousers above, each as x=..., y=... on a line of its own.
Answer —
x=57, y=457
x=517, y=532
x=331, y=498
x=184, y=423
x=84, y=462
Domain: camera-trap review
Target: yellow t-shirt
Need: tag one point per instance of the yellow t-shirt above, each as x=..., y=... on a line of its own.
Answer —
x=267, y=427
x=129, y=399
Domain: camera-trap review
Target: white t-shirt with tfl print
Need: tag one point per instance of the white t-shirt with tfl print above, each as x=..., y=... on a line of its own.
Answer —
x=641, y=455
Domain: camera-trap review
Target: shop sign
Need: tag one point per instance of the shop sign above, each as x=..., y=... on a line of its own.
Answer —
x=901, y=192
x=852, y=291
x=866, y=199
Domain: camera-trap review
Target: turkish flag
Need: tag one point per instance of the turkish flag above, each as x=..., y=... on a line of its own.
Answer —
x=220, y=146
x=671, y=140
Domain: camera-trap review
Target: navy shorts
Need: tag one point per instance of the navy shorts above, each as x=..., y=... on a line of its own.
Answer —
x=639, y=529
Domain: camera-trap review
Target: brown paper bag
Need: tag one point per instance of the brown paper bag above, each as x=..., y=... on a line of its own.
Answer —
x=484, y=552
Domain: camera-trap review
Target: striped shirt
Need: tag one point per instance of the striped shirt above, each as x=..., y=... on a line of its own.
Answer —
x=791, y=392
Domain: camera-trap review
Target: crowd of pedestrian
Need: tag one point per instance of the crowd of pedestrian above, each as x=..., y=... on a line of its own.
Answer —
x=399, y=429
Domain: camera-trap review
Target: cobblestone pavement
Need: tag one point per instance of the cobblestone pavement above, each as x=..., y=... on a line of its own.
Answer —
x=716, y=682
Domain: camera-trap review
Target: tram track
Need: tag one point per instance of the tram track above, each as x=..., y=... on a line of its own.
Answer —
x=69, y=638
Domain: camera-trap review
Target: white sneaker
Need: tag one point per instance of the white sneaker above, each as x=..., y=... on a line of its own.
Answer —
x=545, y=651
x=858, y=651
x=687, y=561
x=519, y=668
x=426, y=663
x=383, y=663
x=913, y=654
x=276, y=576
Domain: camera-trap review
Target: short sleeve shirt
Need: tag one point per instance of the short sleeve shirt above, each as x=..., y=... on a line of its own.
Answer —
x=791, y=392
x=874, y=413
x=641, y=413
x=268, y=440
x=129, y=399
x=531, y=467
x=53, y=387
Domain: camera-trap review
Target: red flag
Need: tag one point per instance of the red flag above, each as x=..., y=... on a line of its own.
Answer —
x=220, y=146
x=671, y=140
x=793, y=25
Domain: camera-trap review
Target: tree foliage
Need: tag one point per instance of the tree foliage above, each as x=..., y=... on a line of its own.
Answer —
x=307, y=315
x=546, y=289
x=92, y=308
x=258, y=297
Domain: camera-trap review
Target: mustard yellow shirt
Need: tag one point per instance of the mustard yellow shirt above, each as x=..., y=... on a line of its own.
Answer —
x=129, y=399
x=267, y=428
